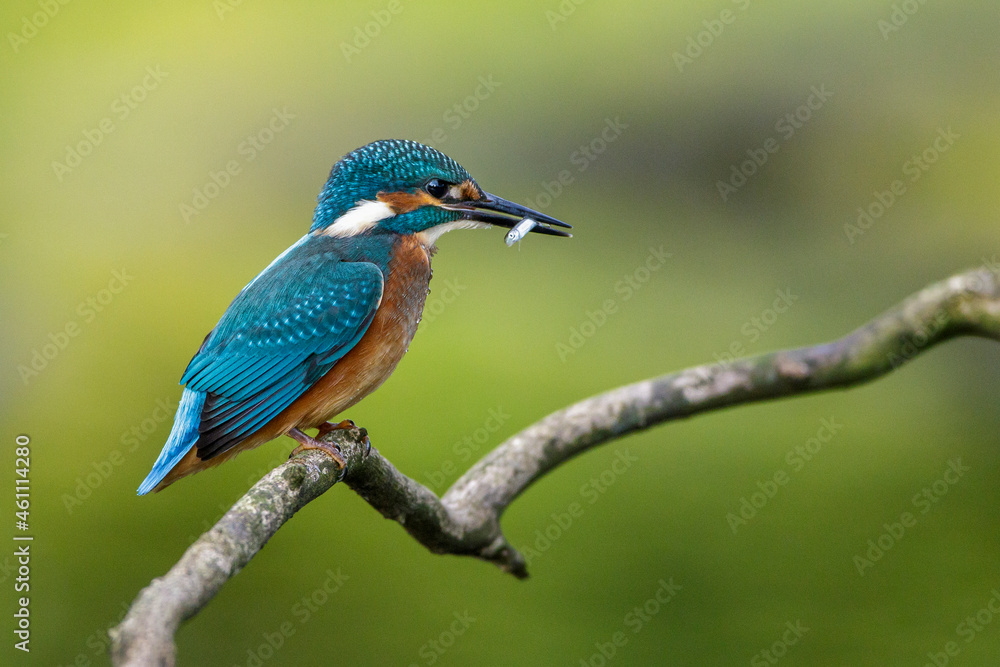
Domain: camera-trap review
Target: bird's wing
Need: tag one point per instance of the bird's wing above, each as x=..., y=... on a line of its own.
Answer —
x=283, y=332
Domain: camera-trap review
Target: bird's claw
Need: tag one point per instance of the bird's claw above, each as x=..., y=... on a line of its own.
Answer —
x=332, y=450
x=327, y=427
x=307, y=443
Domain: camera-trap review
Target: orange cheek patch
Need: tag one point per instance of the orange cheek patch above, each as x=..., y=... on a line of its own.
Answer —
x=469, y=191
x=404, y=202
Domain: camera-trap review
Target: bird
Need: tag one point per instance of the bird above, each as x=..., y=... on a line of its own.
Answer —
x=328, y=320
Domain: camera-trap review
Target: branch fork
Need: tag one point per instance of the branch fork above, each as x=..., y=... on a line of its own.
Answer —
x=466, y=520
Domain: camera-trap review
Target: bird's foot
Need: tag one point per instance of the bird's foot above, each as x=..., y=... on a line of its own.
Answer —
x=327, y=427
x=306, y=443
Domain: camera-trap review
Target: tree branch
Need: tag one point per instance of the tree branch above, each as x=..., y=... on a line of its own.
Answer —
x=466, y=520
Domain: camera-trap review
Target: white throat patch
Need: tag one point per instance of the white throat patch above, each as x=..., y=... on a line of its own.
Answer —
x=361, y=218
x=429, y=237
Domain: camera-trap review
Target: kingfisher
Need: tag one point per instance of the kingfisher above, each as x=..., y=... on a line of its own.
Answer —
x=327, y=321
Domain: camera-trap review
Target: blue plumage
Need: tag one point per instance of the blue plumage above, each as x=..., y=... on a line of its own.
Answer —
x=182, y=437
x=389, y=165
x=374, y=229
x=282, y=333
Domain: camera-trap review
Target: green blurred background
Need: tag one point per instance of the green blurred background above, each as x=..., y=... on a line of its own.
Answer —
x=559, y=73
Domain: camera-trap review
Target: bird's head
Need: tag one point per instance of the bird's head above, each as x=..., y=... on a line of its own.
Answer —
x=404, y=187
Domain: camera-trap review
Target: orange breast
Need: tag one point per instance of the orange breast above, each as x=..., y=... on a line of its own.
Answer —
x=359, y=372
x=370, y=362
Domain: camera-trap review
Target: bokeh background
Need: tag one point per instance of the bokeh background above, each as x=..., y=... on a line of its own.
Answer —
x=203, y=81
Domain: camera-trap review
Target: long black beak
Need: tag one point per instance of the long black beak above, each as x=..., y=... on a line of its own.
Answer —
x=498, y=211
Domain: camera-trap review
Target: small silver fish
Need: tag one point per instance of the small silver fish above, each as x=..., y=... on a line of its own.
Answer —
x=519, y=231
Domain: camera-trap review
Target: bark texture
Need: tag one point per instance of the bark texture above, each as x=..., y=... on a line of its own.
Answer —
x=466, y=520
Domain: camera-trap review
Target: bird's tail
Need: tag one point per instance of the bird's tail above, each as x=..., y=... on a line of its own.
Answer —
x=183, y=435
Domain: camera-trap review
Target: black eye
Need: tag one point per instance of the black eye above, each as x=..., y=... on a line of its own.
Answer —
x=436, y=188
